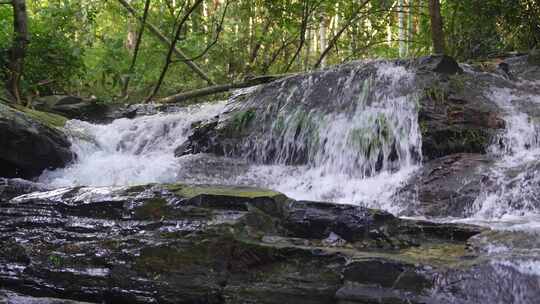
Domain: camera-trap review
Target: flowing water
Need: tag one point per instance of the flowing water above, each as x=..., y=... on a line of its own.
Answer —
x=128, y=152
x=361, y=151
x=358, y=150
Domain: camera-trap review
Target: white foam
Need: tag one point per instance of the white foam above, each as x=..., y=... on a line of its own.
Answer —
x=527, y=267
x=511, y=201
x=128, y=152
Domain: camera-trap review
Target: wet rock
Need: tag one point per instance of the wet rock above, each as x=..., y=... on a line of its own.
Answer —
x=72, y=107
x=29, y=145
x=278, y=122
x=447, y=186
x=442, y=64
x=498, y=281
x=215, y=244
x=455, y=116
x=525, y=67
x=9, y=297
x=204, y=139
x=534, y=57
x=12, y=187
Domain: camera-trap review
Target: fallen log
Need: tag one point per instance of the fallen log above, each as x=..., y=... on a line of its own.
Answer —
x=180, y=97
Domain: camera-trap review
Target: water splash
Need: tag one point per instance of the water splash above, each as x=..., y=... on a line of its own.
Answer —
x=512, y=190
x=128, y=152
x=359, y=147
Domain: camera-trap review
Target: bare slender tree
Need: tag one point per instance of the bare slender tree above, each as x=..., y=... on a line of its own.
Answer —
x=18, y=49
x=168, y=60
x=155, y=31
x=135, y=50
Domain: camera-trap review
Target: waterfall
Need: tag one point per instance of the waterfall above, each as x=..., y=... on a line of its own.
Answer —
x=128, y=152
x=511, y=196
x=359, y=144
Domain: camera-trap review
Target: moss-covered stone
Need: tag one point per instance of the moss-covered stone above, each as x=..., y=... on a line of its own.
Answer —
x=152, y=209
x=21, y=133
x=242, y=192
x=209, y=244
x=48, y=119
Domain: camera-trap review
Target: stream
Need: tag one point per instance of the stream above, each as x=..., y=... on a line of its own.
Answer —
x=361, y=149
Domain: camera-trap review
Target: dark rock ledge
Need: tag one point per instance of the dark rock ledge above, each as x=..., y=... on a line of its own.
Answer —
x=208, y=244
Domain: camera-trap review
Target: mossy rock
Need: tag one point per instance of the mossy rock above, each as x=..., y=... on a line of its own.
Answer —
x=31, y=141
x=46, y=118
x=240, y=192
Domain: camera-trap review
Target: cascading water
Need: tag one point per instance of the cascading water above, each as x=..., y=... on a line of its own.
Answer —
x=509, y=199
x=128, y=152
x=359, y=151
x=358, y=147
x=369, y=138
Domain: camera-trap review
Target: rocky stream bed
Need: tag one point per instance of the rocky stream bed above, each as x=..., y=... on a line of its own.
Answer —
x=206, y=230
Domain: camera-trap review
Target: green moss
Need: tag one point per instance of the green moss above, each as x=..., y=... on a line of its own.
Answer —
x=55, y=260
x=436, y=93
x=437, y=254
x=242, y=120
x=369, y=138
x=424, y=128
x=212, y=253
x=244, y=192
x=152, y=209
x=458, y=82
x=49, y=119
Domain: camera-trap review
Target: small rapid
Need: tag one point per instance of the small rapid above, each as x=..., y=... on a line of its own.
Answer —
x=355, y=140
x=509, y=199
x=128, y=151
x=359, y=148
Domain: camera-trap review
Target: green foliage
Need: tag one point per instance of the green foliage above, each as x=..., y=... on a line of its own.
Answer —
x=79, y=47
x=484, y=28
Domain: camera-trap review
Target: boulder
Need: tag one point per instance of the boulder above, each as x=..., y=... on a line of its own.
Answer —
x=72, y=107
x=446, y=187
x=534, y=57
x=456, y=116
x=279, y=121
x=31, y=143
x=442, y=64
x=214, y=244
x=525, y=67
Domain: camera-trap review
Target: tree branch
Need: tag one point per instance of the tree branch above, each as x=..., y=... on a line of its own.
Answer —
x=136, y=51
x=167, y=42
x=171, y=49
x=336, y=37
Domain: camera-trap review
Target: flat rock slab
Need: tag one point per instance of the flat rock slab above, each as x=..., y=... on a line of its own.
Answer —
x=206, y=244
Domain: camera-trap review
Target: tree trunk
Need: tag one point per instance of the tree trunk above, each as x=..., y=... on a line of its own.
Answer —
x=18, y=49
x=437, y=33
x=322, y=41
x=401, y=29
x=180, y=97
x=410, y=27
x=135, y=51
